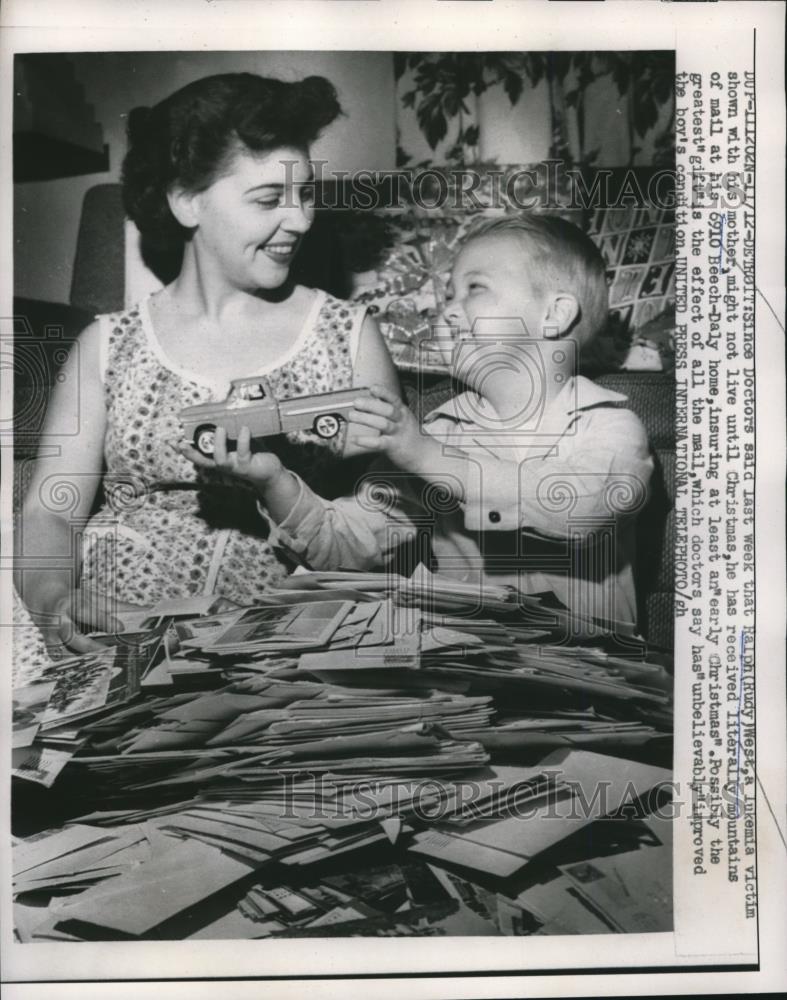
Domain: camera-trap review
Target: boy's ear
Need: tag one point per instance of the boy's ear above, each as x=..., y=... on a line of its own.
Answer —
x=184, y=205
x=561, y=313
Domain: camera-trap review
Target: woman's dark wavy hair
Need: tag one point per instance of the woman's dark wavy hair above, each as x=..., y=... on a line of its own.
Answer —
x=187, y=138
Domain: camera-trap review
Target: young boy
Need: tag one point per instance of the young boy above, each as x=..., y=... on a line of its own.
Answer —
x=532, y=476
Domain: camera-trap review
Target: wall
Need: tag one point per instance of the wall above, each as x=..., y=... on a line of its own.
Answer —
x=46, y=213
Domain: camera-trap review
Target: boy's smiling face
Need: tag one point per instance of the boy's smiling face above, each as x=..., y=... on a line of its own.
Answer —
x=502, y=320
x=491, y=280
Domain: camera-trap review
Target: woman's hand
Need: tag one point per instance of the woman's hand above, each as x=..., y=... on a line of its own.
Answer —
x=81, y=611
x=276, y=487
x=384, y=423
x=259, y=469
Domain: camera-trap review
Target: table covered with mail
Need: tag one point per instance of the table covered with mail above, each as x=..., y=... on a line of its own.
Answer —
x=357, y=754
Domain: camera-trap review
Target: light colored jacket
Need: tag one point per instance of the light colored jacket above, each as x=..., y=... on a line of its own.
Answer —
x=549, y=504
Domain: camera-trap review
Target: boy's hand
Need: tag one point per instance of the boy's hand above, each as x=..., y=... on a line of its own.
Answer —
x=387, y=425
x=259, y=469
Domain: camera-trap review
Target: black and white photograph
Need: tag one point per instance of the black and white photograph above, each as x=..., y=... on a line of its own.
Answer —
x=362, y=378
x=274, y=251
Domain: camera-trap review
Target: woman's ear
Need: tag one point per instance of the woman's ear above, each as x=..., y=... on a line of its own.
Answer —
x=562, y=313
x=184, y=205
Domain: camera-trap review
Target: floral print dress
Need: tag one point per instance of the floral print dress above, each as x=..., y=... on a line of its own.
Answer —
x=167, y=529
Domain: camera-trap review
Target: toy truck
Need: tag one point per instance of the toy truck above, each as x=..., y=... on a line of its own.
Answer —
x=252, y=403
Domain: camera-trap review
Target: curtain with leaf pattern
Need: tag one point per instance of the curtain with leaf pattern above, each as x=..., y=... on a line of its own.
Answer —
x=604, y=109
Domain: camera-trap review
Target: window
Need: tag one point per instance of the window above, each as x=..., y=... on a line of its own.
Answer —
x=251, y=391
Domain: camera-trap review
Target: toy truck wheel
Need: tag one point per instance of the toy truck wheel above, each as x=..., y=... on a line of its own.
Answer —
x=205, y=439
x=327, y=425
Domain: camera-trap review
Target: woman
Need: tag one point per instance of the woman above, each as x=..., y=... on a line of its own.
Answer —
x=220, y=168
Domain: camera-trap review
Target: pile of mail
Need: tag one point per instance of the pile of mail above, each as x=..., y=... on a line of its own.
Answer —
x=50, y=712
x=213, y=749
x=146, y=872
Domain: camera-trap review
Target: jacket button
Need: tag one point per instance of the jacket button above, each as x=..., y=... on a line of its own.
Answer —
x=494, y=516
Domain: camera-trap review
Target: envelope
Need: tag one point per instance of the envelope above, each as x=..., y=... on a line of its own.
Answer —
x=171, y=882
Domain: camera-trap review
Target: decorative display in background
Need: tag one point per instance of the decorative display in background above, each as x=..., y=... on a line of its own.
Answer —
x=638, y=245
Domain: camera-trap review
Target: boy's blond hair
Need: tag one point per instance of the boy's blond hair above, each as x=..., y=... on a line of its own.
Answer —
x=564, y=259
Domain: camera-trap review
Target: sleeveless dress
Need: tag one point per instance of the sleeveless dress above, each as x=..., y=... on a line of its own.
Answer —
x=167, y=529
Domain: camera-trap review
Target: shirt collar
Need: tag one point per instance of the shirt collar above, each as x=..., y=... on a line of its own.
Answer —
x=579, y=393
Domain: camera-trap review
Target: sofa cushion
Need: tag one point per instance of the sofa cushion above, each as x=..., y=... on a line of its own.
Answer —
x=44, y=333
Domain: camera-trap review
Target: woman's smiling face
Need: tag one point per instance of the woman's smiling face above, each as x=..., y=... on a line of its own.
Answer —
x=250, y=221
